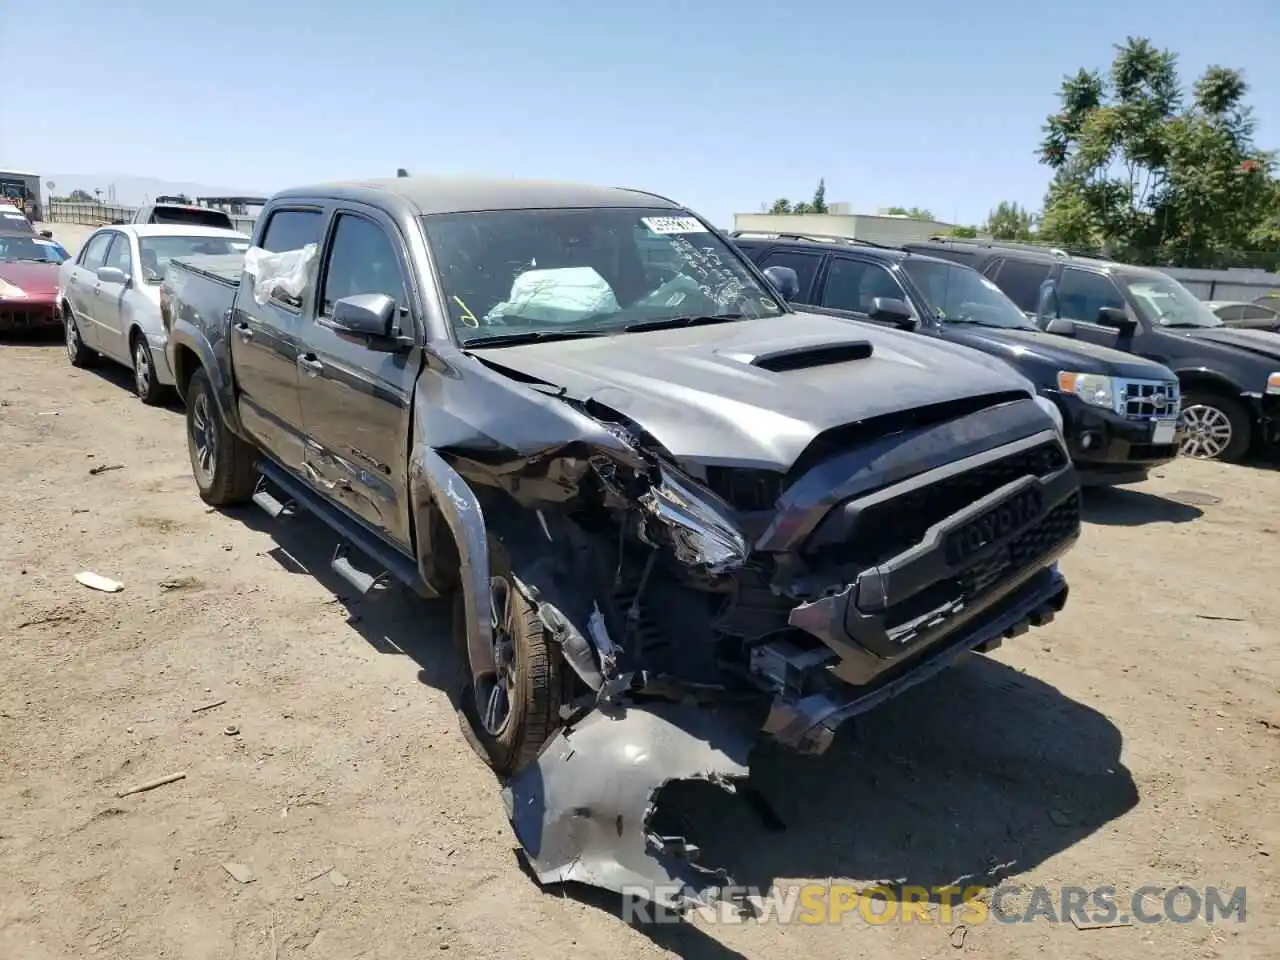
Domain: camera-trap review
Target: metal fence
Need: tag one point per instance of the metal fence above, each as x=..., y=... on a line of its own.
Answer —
x=94, y=214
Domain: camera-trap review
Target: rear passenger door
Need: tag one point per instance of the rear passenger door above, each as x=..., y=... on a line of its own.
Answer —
x=264, y=342
x=357, y=401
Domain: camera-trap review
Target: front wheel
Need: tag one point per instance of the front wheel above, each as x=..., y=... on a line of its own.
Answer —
x=1215, y=427
x=221, y=462
x=516, y=708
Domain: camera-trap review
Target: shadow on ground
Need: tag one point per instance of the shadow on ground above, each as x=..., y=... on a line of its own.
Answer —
x=975, y=775
x=1117, y=507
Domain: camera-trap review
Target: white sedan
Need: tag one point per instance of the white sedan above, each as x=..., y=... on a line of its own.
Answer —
x=109, y=295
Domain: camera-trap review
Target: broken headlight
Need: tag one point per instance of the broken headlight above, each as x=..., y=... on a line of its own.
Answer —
x=697, y=530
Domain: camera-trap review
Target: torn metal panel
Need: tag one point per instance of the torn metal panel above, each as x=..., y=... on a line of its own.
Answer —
x=701, y=536
x=582, y=809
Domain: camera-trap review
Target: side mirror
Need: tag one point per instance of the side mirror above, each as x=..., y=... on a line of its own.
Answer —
x=1061, y=326
x=1116, y=319
x=366, y=316
x=892, y=310
x=786, y=281
x=47, y=234
x=112, y=275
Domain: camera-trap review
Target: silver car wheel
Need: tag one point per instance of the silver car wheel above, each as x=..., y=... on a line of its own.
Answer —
x=1207, y=432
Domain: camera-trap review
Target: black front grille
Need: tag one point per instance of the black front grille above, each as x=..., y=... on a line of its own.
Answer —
x=886, y=530
x=920, y=612
x=28, y=317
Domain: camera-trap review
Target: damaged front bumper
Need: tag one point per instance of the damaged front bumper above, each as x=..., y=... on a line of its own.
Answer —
x=582, y=810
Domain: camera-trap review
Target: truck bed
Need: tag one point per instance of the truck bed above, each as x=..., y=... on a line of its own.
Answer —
x=223, y=267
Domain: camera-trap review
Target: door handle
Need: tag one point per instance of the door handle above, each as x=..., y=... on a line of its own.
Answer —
x=310, y=364
x=244, y=332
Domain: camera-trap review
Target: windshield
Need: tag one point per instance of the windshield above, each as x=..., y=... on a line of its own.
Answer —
x=583, y=271
x=156, y=252
x=1170, y=304
x=34, y=249
x=961, y=295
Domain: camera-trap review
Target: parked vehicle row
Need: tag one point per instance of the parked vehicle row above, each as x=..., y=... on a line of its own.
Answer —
x=1229, y=377
x=667, y=504
x=109, y=296
x=1120, y=412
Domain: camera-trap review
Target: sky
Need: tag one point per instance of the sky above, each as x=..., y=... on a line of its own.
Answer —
x=720, y=105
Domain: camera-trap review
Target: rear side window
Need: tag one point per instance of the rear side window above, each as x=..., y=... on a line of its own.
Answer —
x=1251, y=311
x=195, y=217
x=804, y=264
x=1021, y=281
x=292, y=230
x=95, y=251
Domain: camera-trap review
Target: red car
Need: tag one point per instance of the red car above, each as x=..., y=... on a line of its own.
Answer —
x=29, y=282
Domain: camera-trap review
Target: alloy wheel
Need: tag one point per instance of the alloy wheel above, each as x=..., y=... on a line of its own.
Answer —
x=496, y=692
x=1207, y=431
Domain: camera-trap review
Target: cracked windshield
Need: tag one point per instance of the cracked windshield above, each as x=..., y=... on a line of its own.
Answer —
x=1170, y=304
x=961, y=295
x=537, y=274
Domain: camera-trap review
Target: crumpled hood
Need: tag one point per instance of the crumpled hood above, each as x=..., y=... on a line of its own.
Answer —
x=696, y=391
x=38, y=280
x=1077, y=356
x=1261, y=342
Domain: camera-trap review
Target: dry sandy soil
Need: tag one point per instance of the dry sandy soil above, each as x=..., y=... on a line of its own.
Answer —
x=1134, y=741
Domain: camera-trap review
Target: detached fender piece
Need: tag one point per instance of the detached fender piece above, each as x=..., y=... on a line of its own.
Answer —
x=582, y=809
x=437, y=486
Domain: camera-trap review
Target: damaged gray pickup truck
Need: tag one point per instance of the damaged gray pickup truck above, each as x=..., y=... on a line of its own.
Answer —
x=674, y=514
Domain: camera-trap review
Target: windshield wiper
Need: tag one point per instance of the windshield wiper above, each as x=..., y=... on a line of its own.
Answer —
x=529, y=336
x=670, y=323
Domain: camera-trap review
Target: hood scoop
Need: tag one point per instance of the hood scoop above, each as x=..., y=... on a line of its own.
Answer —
x=810, y=355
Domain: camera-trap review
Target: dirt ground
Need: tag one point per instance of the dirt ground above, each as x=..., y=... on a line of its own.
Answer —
x=1134, y=741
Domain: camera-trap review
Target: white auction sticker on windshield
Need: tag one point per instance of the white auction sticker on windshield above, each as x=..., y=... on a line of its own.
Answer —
x=664, y=226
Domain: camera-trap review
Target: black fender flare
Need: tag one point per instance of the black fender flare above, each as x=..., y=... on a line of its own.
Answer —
x=219, y=374
x=1208, y=376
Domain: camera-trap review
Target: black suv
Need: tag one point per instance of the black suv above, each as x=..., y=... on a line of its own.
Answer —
x=1119, y=412
x=1230, y=377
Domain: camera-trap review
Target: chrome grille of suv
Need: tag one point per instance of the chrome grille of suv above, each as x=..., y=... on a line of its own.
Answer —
x=1149, y=399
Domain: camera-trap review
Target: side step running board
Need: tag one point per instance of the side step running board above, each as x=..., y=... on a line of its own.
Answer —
x=363, y=583
x=273, y=507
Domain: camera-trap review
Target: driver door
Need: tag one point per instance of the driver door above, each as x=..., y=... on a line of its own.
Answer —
x=108, y=301
x=82, y=284
x=1079, y=295
x=849, y=285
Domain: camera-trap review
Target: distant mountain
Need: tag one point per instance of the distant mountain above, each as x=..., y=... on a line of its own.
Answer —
x=132, y=191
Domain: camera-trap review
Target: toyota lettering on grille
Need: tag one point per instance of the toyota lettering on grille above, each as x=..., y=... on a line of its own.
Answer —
x=1000, y=521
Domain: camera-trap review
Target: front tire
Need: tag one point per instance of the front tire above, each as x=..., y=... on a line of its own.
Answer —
x=1216, y=427
x=79, y=355
x=515, y=710
x=221, y=462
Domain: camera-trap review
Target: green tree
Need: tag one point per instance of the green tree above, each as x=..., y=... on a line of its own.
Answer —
x=1150, y=174
x=963, y=233
x=84, y=196
x=817, y=205
x=1009, y=221
x=915, y=213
